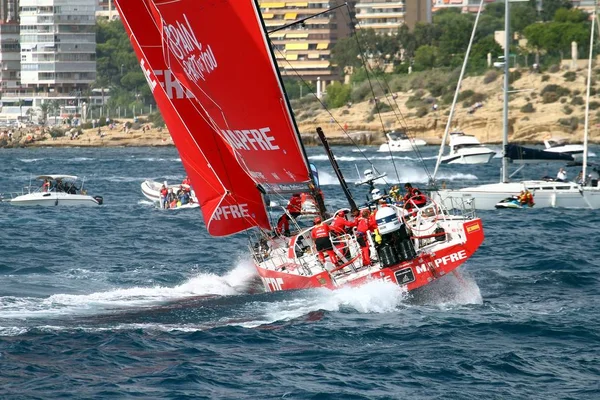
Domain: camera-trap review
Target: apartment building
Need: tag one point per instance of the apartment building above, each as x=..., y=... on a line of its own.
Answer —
x=58, y=44
x=106, y=9
x=386, y=16
x=10, y=66
x=305, y=49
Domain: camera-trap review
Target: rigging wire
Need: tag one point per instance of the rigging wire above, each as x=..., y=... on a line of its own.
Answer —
x=386, y=89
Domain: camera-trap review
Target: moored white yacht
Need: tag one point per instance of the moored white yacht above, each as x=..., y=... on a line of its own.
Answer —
x=547, y=193
x=57, y=190
x=558, y=146
x=399, y=141
x=466, y=149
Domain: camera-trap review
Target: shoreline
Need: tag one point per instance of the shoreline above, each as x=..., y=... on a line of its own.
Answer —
x=160, y=138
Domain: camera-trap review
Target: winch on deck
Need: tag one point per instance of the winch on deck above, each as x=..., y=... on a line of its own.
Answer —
x=396, y=245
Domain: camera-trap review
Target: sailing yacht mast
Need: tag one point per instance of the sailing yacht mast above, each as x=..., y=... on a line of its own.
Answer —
x=506, y=79
x=587, y=102
x=313, y=184
x=462, y=73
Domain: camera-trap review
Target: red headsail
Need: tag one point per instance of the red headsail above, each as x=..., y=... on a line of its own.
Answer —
x=218, y=50
x=228, y=197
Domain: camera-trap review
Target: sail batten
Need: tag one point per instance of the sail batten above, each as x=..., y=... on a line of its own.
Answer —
x=228, y=197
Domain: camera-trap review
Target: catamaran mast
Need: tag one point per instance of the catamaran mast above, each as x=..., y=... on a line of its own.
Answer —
x=462, y=73
x=587, y=102
x=506, y=80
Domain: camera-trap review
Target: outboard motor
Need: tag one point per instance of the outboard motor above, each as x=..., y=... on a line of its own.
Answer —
x=395, y=242
x=99, y=199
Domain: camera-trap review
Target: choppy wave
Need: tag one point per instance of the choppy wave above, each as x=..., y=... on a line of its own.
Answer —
x=123, y=301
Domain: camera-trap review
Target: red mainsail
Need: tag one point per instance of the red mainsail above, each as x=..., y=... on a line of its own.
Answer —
x=218, y=50
x=228, y=196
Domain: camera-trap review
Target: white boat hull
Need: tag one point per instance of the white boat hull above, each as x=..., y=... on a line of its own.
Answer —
x=546, y=195
x=402, y=145
x=151, y=190
x=466, y=158
x=54, y=199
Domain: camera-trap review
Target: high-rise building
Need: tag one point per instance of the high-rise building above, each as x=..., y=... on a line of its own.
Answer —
x=10, y=66
x=383, y=16
x=58, y=44
x=304, y=49
x=106, y=9
x=386, y=16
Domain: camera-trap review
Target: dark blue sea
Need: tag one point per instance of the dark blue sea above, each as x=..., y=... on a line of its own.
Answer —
x=126, y=301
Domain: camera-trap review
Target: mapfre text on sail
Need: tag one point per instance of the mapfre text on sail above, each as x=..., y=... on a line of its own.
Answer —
x=197, y=61
x=250, y=139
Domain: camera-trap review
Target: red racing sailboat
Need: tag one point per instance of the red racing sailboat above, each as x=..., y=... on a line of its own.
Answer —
x=215, y=80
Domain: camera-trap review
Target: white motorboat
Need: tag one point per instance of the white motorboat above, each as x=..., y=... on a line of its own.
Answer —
x=548, y=193
x=56, y=190
x=399, y=141
x=466, y=149
x=558, y=146
x=151, y=190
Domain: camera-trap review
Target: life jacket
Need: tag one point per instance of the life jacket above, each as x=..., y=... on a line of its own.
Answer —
x=362, y=225
x=164, y=192
x=321, y=231
x=295, y=205
x=415, y=196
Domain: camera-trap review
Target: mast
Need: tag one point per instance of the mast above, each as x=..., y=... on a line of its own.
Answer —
x=462, y=73
x=506, y=78
x=336, y=168
x=313, y=186
x=587, y=103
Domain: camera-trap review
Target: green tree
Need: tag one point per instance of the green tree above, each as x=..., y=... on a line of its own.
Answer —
x=337, y=95
x=496, y=10
x=549, y=8
x=427, y=57
x=480, y=50
x=407, y=41
x=574, y=15
x=426, y=34
x=345, y=53
x=456, y=31
x=521, y=16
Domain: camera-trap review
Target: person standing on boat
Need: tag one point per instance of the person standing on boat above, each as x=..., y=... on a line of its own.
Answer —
x=163, y=196
x=562, y=175
x=320, y=235
x=362, y=231
x=294, y=209
x=46, y=186
x=413, y=197
x=186, y=183
x=340, y=224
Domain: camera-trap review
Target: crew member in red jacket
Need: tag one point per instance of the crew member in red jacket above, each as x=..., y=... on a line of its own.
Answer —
x=294, y=206
x=362, y=230
x=413, y=197
x=320, y=235
x=340, y=223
